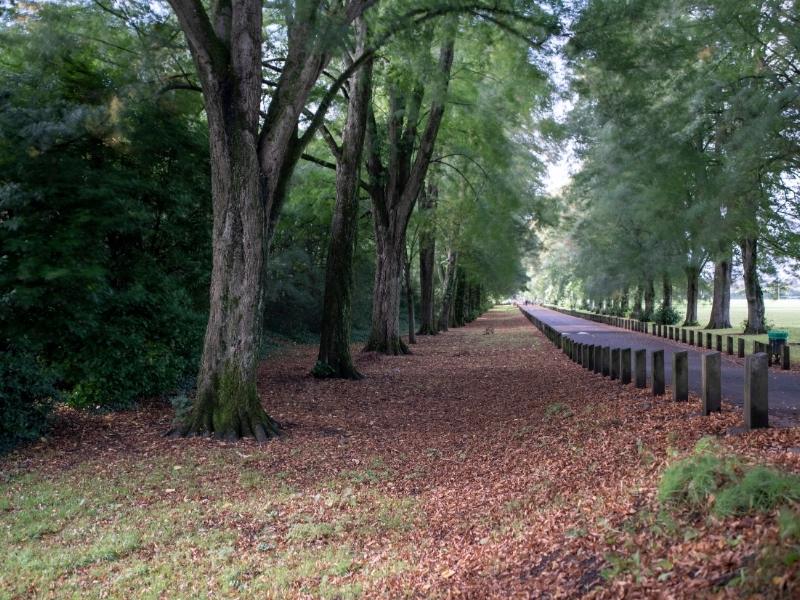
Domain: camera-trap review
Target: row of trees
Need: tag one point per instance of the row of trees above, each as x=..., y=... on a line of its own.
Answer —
x=687, y=126
x=336, y=132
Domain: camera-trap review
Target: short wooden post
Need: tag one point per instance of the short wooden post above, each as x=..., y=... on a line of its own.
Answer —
x=740, y=348
x=709, y=341
x=606, y=361
x=680, y=376
x=625, y=366
x=691, y=337
x=683, y=335
x=711, y=380
x=615, y=363
x=640, y=368
x=658, y=372
x=786, y=363
x=730, y=345
x=756, y=400
x=719, y=343
x=598, y=359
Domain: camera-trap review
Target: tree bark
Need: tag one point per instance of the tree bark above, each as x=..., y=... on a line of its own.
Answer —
x=334, y=358
x=427, y=256
x=752, y=288
x=721, y=304
x=394, y=189
x=649, y=299
x=636, y=312
x=666, y=297
x=410, y=302
x=458, y=304
x=250, y=170
x=692, y=289
x=449, y=290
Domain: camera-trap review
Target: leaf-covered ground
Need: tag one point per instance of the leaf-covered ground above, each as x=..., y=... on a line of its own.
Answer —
x=484, y=465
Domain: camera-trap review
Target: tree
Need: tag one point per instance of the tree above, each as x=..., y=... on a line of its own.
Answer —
x=334, y=359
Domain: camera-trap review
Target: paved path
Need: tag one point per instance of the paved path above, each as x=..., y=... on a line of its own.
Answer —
x=784, y=387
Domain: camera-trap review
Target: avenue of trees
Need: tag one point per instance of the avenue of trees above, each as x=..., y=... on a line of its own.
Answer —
x=686, y=122
x=181, y=181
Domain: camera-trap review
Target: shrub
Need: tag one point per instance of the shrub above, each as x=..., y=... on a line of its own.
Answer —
x=667, y=316
x=26, y=396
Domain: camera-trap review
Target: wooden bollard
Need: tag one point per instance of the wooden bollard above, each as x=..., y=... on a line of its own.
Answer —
x=590, y=357
x=598, y=359
x=640, y=368
x=683, y=335
x=730, y=345
x=658, y=372
x=756, y=400
x=740, y=348
x=786, y=362
x=606, y=361
x=680, y=376
x=709, y=341
x=615, y=363
x=625, y=366
x=719, y=343
x=711, y=382
x=691, y=337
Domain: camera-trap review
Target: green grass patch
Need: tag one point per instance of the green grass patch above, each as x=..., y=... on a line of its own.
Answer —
x=725, y=484
x=557, y=409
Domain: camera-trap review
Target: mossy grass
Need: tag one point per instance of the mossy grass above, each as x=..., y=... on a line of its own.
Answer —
x=726, y=484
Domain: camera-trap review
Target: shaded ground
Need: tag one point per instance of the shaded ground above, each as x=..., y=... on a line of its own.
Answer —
x=484, y=465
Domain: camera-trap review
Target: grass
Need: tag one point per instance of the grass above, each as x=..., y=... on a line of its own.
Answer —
x=725, y=484
x=149, y=529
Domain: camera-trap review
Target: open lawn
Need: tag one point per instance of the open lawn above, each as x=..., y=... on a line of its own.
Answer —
x=483, y=465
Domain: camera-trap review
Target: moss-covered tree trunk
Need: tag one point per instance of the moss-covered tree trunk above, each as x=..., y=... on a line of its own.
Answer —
x=721, y=303
x=752, y=287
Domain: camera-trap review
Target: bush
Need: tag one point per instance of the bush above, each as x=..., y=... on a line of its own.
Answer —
x=725, y=483
x=666, y=316
x=26, y=396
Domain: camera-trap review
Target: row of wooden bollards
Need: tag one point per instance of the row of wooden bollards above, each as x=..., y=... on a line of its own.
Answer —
x=615, y=363
x=692, y=337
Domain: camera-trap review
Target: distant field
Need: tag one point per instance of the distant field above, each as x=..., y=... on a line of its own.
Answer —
x=782, y=313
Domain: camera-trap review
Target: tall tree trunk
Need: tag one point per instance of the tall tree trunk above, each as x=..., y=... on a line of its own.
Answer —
x=334, y=359
x=385, y=332
x=649, y=299
x=692, y=289
x=458, y=304
x=427, y=256
x=666, y=296
x=394, y=189
x=449, y=289
x=227, y=404
x=752, y=287
x=410, y=301
x=250, y=170
x=721, y=304
x=636, y=312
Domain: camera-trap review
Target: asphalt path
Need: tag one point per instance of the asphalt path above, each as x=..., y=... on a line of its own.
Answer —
x=784, y=386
